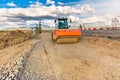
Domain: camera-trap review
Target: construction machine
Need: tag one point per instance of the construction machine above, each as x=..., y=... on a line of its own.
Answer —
x=63, y=33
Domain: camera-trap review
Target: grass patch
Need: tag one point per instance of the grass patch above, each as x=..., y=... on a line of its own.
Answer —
x=1, y=32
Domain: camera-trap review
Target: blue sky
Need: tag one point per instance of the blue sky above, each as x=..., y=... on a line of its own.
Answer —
x=26, y=3
x=29, y=12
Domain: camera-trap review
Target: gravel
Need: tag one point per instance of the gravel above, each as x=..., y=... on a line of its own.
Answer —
x=13, y=70
x=38, y=66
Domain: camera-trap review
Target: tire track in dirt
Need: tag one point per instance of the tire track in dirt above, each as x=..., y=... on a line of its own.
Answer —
x=38, y=66
x=49, y=60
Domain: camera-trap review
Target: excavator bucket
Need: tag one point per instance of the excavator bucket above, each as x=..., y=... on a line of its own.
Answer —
x=66, y=35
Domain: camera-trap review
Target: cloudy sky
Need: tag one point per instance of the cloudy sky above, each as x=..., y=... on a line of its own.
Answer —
x=22, y=13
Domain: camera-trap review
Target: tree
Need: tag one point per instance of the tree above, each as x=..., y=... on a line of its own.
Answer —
x=38, y=28
x=80, y=27
x=40, y=31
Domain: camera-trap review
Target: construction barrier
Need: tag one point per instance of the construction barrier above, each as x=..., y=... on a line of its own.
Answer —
x=102, y=28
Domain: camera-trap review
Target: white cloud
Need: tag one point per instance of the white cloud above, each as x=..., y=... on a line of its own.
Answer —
x=88, y=9
x=74, y=18
x=38, y=10
x=48, y=23
x=22, y=16
x=36, y=5
x=11, y=4
x=102, y=11
x=50, y=2
x=60, y=3
x=13, y=16
x=32, y=23
x=104, y=7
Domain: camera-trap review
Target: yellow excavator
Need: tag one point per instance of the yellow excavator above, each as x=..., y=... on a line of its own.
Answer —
x=63, y=33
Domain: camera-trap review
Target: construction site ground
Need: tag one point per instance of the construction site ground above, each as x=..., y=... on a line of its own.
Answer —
x=12, y=43
x=90, y=59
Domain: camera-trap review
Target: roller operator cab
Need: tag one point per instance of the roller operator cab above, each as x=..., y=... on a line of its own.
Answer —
x=62, y=33
x=61, y=23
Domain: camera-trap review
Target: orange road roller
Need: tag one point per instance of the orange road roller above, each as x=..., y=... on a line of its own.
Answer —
x=62, y=33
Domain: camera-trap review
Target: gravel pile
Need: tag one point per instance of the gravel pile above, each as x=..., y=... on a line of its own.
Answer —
x=13, y=70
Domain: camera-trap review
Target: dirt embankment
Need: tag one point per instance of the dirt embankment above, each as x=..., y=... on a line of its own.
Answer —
x=10, y=38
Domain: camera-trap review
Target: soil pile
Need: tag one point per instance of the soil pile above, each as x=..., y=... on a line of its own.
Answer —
x=10, y=38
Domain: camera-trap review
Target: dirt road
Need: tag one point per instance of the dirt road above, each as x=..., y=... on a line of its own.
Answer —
x=89, y=59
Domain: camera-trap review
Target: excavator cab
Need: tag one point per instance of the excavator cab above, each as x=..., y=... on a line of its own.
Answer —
x=62, y=33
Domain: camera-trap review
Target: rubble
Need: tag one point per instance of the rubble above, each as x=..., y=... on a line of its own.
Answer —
x=14, y=70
